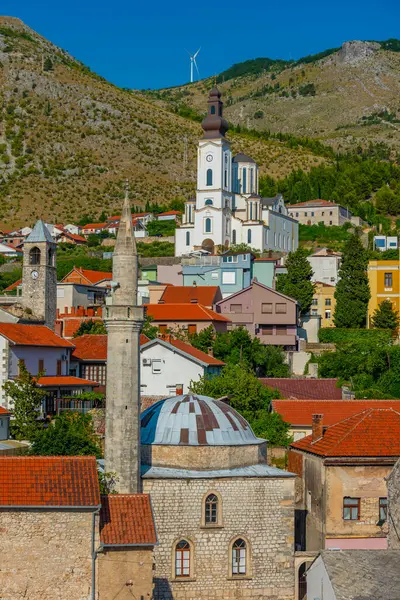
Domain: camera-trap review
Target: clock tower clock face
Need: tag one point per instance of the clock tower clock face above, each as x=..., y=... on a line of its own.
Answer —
x=209, y=157
x=34, y=275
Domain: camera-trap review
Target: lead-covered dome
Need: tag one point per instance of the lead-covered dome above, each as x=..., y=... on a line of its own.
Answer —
x=191, y=420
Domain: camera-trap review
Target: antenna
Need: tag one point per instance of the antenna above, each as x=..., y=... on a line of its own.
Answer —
x=193, y=62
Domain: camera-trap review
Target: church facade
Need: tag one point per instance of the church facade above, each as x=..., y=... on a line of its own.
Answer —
x=228, y=209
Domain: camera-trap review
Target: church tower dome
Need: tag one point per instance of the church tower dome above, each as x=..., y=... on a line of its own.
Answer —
x=214, y=125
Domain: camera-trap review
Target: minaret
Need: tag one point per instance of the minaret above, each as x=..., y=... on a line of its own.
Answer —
x=124, y=320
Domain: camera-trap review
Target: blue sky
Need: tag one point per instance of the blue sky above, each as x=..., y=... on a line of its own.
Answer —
x=141, y=44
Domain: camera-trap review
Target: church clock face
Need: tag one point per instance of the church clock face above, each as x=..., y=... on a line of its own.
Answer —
x=34, y=275
x=209, y=157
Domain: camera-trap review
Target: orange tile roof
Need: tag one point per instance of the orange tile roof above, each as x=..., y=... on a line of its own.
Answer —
x=94, y=346
x=203, y=294
x=94, y=226
x=127, y=520
x=75, y=237
x=13, y=286
x=183, y=312
x=4, y=411
x=372, y=432
x=67, y=380
x=32, y=335
x=189, y=349
x=68, y=481
x=300, y=412
x=89, y=275
x=312, y=203
x=169, y=212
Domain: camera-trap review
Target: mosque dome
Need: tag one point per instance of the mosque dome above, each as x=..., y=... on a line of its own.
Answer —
x=192, y=420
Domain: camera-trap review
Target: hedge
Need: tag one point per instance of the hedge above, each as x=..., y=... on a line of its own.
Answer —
x=335, y=335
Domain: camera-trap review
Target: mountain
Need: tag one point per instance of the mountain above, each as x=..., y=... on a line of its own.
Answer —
x=69, y=139
x=343, y=97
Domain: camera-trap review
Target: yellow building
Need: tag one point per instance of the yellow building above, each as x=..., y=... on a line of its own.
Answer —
x=384, y=282
x=323, y=303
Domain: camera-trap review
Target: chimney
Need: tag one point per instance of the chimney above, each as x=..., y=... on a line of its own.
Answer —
x=194, y=284
x=317, y=427
x=179, y=389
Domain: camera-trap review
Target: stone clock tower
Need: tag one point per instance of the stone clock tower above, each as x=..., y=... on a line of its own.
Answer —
x=39, y=278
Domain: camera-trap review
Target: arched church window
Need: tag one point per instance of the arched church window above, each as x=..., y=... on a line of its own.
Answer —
x=239, y=557
x=34, y=256
x=50, y=257
x=209, y=179
x=212, y=111
x=244, y=180
x=211, y=510
x=208, y=202
x=233, y=236
x=182, y=559
x=249, y=236
x=188, y=238
x=207, y=225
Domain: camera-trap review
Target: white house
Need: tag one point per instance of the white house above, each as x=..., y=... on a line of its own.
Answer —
x=9, y=251
x=325, y=264
x=228, y=208
x=168, y=365
x=71, y=228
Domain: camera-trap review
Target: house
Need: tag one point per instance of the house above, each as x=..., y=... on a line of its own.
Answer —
x=93, y=228
x=354, y=575
x=149, y=272
x=168, y=366
x=342, y=495
x=324, y=303
x=325, y=264
x=228, y=209
x=267, y=314
x=191, y=317
x=264, y=271
x=4, y=424
x=71, y=295
x=69, y=321
x=384, y=282
x=9, y=251
x=383, y=242
x=195, y=294
x=171, y=215
x=314, y=212
x=71, y=238
x=231, y=272
x=299, y=413
x=306, y=388
x=13, y=239
x=88, y=277
x=62, y=539
x=71, y=228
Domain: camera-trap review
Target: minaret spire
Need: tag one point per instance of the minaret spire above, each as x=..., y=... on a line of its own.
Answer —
x=124, y=320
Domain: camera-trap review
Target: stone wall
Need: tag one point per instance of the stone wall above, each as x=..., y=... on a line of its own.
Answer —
x=259, y=509
x=393, y=485
x=125, y=573
x=45, y=555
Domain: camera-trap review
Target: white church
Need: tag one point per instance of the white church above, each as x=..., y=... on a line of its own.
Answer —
x=228, y=209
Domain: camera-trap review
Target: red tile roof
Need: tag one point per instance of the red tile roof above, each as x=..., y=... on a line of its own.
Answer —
x=192, y=351
x=4, y=411
x=306, y=388
x=299, y=412
x=49, y=481
x=75, y=237
x=94, y=226
x=94, y=346
x=65, y=380
x=32, y=335
x=127, y=520
x=95, y=276
x=169, y=212
x=373, y=432
x=13, y=286
x=183, y=312
x=313, y=203
x=203, y=294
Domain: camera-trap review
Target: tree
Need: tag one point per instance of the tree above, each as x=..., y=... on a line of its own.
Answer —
x=149, y=330
x=270, y=426
x=352, y=290
x=71, y=434
x=297, y=283
x=91, y=327
x=385, y=316
x=48, y=64
x=27, y=399
x=93, y=240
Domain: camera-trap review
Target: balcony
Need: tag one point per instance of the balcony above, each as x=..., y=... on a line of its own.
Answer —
x=201, y=261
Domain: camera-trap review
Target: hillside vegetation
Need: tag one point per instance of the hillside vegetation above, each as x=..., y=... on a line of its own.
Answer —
x=68, y=138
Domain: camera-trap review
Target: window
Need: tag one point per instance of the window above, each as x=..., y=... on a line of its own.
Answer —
x=281, y=330
x=228, y=277
x=249, y=236
x=327, y=314
x=239, y=558
x=50, y=257
x=330, y=222
x=244, y=257
x=388, y=280
x=330, y=213
x=297, y=214
x=192, y=328
x=59, y=367
x=328, y=301
x=266, y=307
x=235, y=308
x=188, y=238
x=226, y=178
x=209, y=177
x=314, y=312
x=212, y=110
x=94, y=372
x=322, y=214
x=182, y=559
x=214, y=275
x=280, y=308
x=41, y=365
x=244, y=181
x=211, y=510
x=208, y=202
x=156, y=365
x=267, y=329
x=34, y=256
x=312, y=214
x=383, y=506
x=351, y=509
x=230, y=259
x=233, y=236
x=305, y=214
x=207, y=225
x=314, y=302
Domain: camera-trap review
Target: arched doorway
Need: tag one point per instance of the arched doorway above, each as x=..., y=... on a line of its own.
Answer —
x=208, y=245
x=302, y=581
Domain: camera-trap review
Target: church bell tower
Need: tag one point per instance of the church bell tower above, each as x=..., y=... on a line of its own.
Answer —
x=39, y=277
x=124, y=320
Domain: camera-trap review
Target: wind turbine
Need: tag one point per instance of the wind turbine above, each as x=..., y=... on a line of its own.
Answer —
x=193, y=62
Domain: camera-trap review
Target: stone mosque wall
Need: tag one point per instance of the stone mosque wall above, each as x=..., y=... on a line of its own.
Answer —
x=261, y=510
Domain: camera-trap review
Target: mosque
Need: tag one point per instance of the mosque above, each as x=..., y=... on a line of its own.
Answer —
x=224, y=518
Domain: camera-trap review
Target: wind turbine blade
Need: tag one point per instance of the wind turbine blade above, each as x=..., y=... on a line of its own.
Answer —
x=197, y=68
x=194, y=56
x=188, y=53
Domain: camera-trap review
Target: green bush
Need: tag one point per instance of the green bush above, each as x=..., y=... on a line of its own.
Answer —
x=335, y=335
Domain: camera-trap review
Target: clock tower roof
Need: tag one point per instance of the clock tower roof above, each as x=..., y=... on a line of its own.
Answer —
x=214, y=125
x=39, y=233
